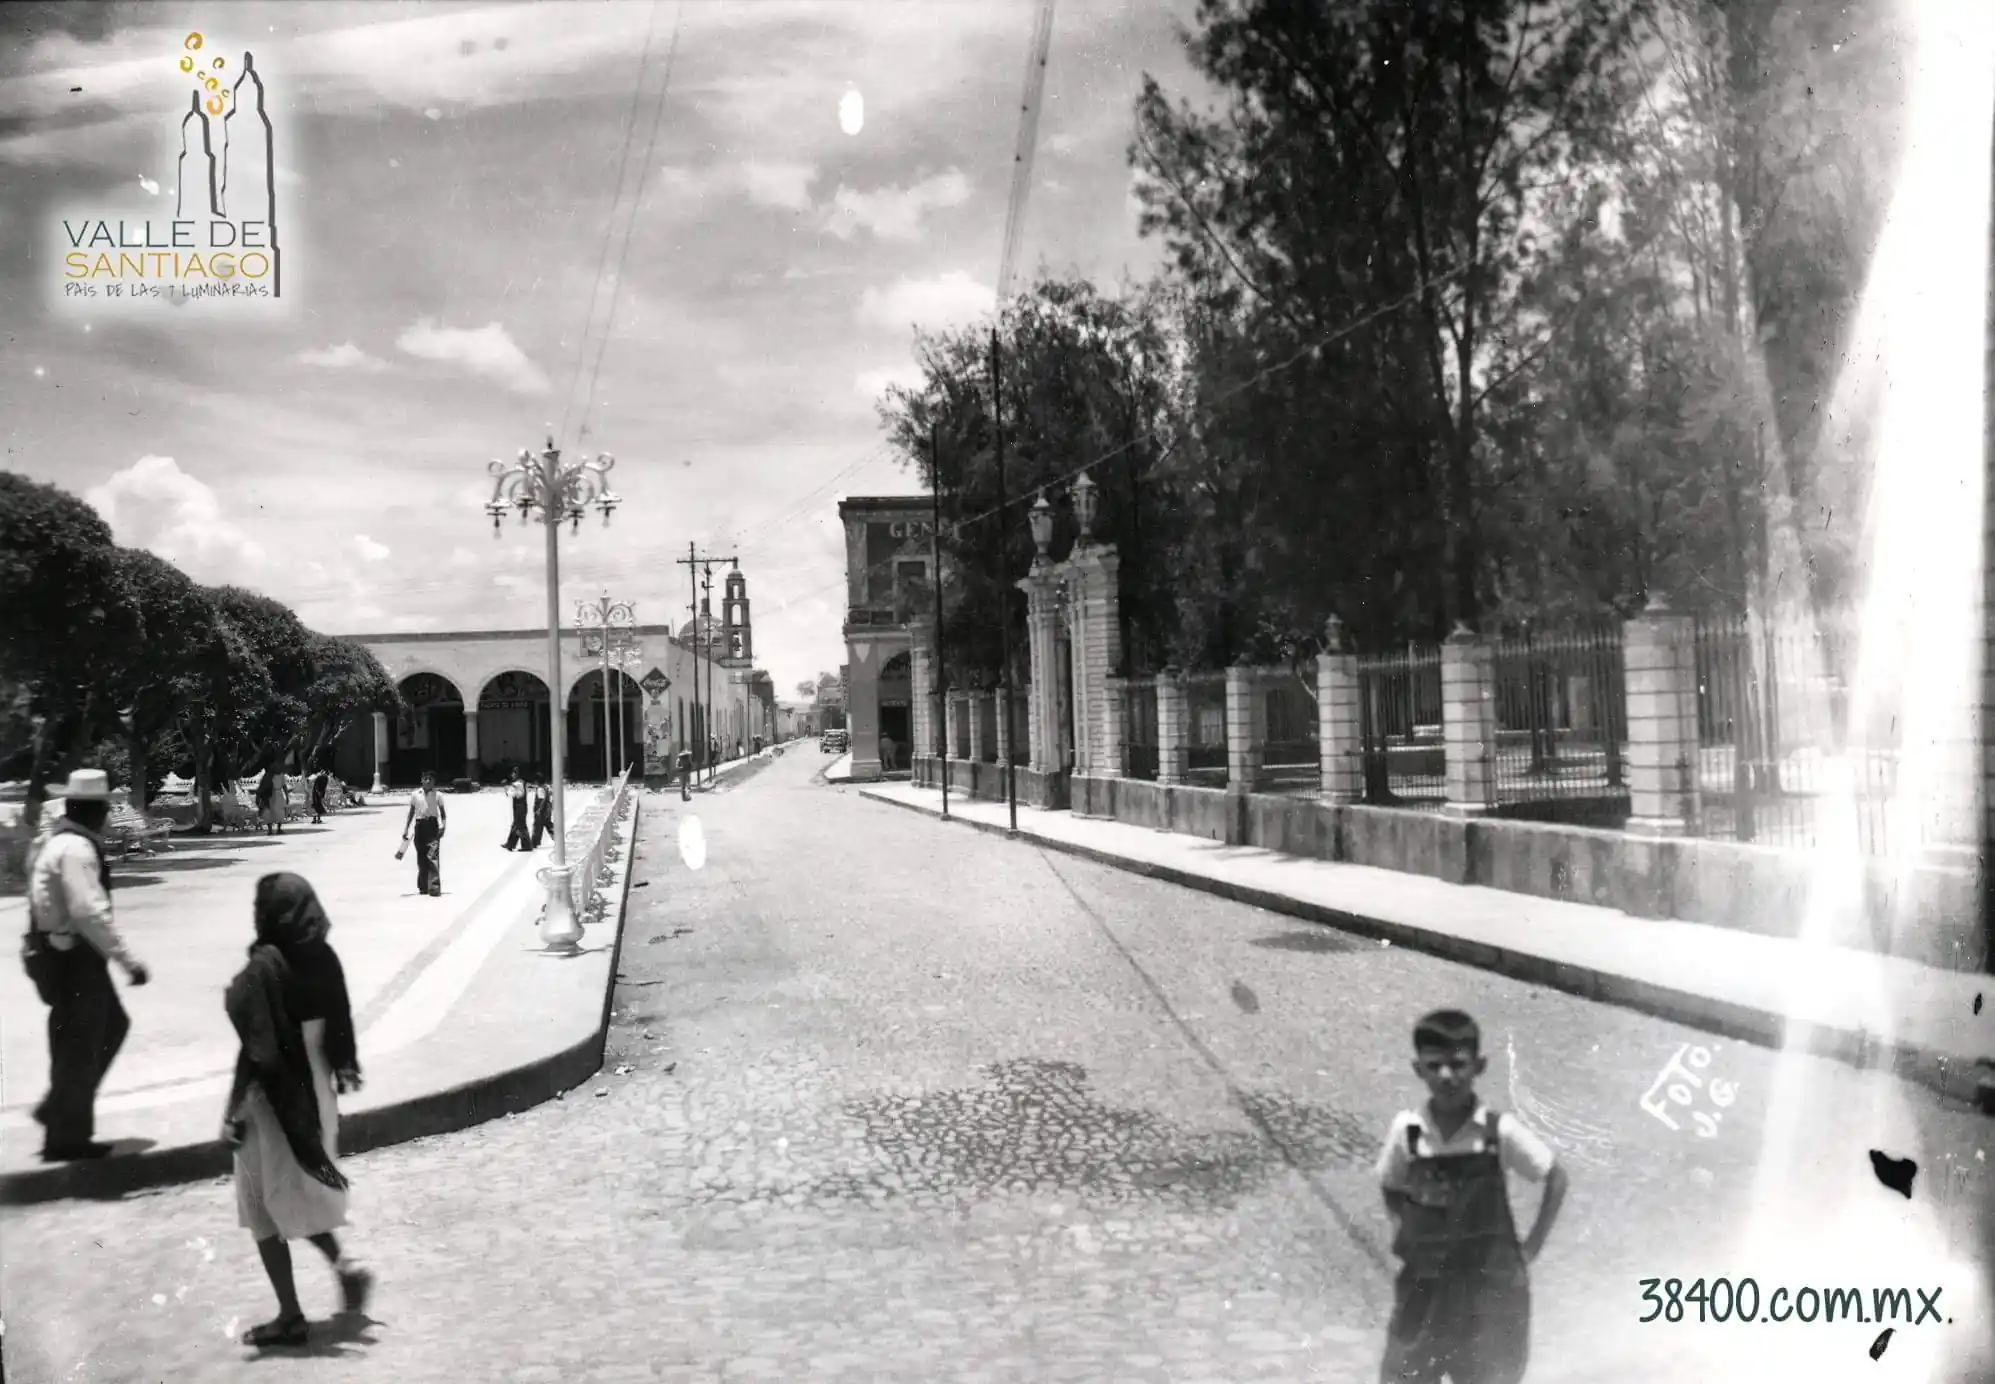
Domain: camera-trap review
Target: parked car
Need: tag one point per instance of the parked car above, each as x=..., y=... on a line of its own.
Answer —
x=835, y=742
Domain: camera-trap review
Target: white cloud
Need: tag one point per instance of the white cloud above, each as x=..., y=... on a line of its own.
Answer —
x=153, y=504
x=895, y=213
x=486, y=351
x=345, y=356
x=369, y=549
x=871, y=384
x=462, y=558
x=950, y=300
x=785, y=185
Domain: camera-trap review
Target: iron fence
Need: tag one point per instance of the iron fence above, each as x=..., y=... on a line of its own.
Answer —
x=1205, y=729
x=1399, y=723
x=1772, y=725
x=1289, y=756
x=1138, y=701
x=1561, y=719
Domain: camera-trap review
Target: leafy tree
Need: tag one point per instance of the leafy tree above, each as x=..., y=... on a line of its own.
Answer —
x=162, y=670
x=225, y=691
x=1371, y=183
x=69, y=620
x=282, y=644
x=1084, y=376
x=347, y=681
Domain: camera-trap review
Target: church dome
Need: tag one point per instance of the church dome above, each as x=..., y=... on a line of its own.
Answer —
x=711, y=633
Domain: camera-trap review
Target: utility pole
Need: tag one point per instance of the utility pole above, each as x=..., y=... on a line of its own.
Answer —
x=935, y=577
x=699, y=575
x=1004, y=586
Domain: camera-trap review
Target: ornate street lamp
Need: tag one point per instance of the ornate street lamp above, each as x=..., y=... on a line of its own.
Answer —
x=1085, y=500
x=608, y=618
x=543, y=486
x=1040, y=518
x=625, y=659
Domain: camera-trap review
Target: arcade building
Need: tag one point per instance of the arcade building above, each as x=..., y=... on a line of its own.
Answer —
x=476, y=704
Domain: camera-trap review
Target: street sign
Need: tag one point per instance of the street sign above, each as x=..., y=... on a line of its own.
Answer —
x=655, y=684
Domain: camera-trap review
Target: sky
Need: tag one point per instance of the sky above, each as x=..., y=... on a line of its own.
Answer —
x=492, y=229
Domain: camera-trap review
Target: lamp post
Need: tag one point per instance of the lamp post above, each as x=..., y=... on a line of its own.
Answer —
x=541, y=485
x=607, y=618
x=623, y=660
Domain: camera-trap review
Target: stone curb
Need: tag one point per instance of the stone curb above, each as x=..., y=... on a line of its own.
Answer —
x=1950, y=1075
x=448, y=1111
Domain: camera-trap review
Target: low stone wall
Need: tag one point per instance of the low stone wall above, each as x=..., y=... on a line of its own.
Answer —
x=985, y=782
x=1721, y=883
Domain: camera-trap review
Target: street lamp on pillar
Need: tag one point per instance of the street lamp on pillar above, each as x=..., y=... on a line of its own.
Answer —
x=541, y=485
x=1040, y=519
x=1085, y=500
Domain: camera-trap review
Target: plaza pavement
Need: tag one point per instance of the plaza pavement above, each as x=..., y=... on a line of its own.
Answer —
x=886, y=1100
x=1930, y=1025
x=451, y=997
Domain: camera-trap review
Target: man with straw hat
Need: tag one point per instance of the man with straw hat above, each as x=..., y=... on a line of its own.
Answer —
x=70, y=943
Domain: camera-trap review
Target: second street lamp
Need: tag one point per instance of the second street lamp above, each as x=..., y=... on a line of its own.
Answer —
x=608, y=619
x=541, y=485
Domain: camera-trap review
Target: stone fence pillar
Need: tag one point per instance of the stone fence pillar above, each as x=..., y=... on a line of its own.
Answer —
x=1173, y=733
x=976, y=704
x=1041, y=590
x=952, y=716
x=921, y=695
x=1246, y=728
x=380, y=753
x=1001, y=701
x=1339, y=735
x=1468, y=721
x=1660, y=653
x=1097, y=647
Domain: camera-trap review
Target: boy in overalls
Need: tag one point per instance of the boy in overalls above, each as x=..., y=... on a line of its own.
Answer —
x=1462, y=1303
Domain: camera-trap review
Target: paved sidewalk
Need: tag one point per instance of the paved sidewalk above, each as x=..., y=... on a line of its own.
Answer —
x=460, y=1013
x=1935, y=1027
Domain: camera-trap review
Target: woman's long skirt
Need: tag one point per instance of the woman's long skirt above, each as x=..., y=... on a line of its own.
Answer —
x=274, y=1195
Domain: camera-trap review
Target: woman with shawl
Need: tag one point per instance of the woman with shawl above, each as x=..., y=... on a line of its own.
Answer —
x=290, y=1009
x=273, y=799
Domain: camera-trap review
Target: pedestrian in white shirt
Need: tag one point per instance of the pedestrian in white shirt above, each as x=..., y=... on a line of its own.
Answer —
x=70, y=943
x=426, y=819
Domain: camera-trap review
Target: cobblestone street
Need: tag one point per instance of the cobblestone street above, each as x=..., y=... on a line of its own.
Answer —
x=888, y=1099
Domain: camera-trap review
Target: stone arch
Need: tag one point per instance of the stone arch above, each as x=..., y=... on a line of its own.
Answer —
x=589, y=756
x=515, y=719
x=429, y=733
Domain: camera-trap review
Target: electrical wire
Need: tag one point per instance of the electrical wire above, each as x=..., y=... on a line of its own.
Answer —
x=609, y=227
x=630, y=225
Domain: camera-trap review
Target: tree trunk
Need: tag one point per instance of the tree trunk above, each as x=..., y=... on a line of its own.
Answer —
x=136, y=744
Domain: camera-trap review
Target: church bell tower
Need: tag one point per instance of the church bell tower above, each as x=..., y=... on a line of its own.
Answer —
x=736, y=635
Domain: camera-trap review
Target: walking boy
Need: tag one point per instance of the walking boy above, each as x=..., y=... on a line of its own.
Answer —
x=685, y=776
x=1462, y=1303
x=426, y=817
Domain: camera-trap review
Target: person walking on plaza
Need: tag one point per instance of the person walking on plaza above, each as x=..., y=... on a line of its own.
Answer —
x=290, y=1010
x=70, y=943
x=319, y=782
x=273, y=798
x=543, y=812
x=686, y=775
x=427, y=819
x=1462, y=1302
x=516, y=839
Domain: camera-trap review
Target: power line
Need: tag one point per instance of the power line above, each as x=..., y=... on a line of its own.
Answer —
x=630, y=223
x=609, y=228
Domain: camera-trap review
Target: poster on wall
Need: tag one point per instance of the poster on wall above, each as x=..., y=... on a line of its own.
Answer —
x=888, y=540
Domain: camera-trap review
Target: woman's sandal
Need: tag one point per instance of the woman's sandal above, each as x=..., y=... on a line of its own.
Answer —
x=293, y=1331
